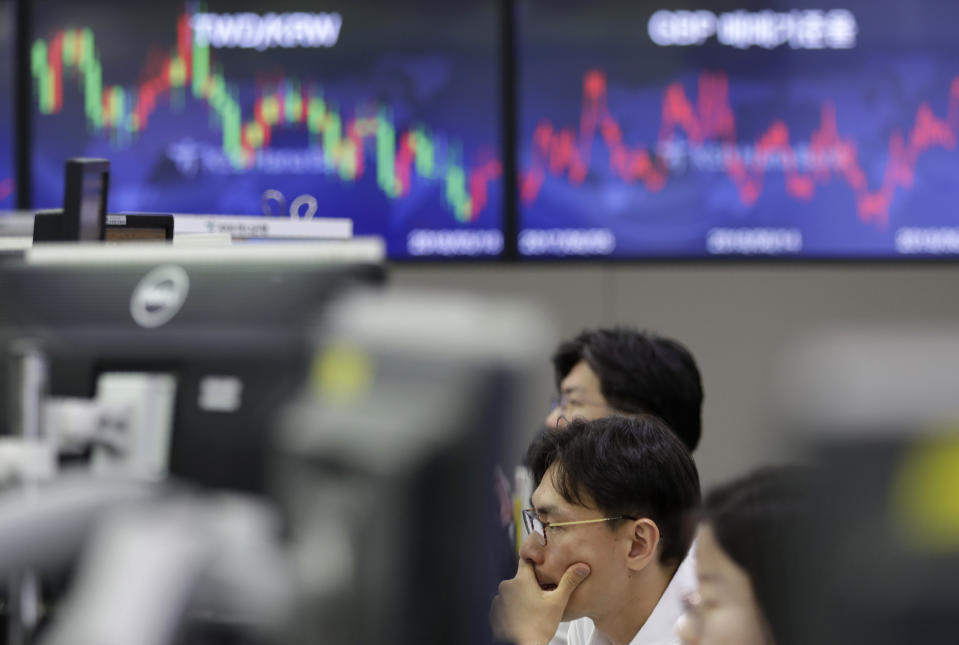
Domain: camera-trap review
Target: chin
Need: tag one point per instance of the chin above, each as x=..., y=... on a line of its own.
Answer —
x=572, y=612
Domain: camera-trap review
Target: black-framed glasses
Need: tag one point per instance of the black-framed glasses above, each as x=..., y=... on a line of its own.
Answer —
x=535, y=525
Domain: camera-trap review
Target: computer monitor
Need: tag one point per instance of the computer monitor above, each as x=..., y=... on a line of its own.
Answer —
x=229, y=324
x=873, y=406
x=675, y=130
x=385, y=112
x=385, y=465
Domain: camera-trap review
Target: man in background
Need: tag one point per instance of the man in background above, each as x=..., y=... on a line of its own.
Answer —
x=625, y=371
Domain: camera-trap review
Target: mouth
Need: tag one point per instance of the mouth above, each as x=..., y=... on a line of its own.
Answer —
x=546, y=586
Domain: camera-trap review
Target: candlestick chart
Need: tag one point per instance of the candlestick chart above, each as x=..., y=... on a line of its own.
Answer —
x=397, y=140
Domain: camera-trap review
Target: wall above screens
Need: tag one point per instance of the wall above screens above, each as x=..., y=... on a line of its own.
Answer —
x=7, y=83
x=384, y=112
x=796, y=129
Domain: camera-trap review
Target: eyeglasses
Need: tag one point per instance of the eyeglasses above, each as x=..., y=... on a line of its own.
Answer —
x=562, y=403
x=535, y=525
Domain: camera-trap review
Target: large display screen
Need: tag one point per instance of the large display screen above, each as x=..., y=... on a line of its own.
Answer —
x=387, y=113
x=7, y=82
x=798, y=129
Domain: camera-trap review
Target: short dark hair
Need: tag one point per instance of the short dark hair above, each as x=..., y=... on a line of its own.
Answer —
x=630, y=465
x=760, y=521
x=640, y=372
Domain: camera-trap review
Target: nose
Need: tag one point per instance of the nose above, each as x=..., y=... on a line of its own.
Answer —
x=531, y=550
x=553, y=418
x=686, y=629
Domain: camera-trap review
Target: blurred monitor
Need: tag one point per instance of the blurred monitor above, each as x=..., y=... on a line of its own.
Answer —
x=658, y=129
x=228, y=324
x=385, y=464
x=875, y=408
x=386, y=113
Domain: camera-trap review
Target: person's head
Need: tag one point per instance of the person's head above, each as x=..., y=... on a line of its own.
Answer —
x=633, y=468
x=625, y=371
x=749, y=559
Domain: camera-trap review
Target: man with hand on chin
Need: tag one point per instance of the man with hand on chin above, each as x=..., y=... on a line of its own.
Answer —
x=608, y=536
x=524, y=610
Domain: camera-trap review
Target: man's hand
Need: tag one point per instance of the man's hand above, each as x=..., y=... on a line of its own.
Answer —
x=525, y=614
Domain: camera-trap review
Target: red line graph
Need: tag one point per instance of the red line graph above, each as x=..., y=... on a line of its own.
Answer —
x=6, y=188
x=711, y=118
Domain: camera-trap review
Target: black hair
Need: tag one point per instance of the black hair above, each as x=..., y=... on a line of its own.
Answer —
x=634, y=466
x=640, y=372
x=761, y=521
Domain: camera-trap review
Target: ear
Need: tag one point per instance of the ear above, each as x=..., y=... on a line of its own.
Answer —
x=644, y=548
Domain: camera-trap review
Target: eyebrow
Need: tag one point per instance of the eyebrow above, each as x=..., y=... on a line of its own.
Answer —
x=546, y=509
x=551, y=512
